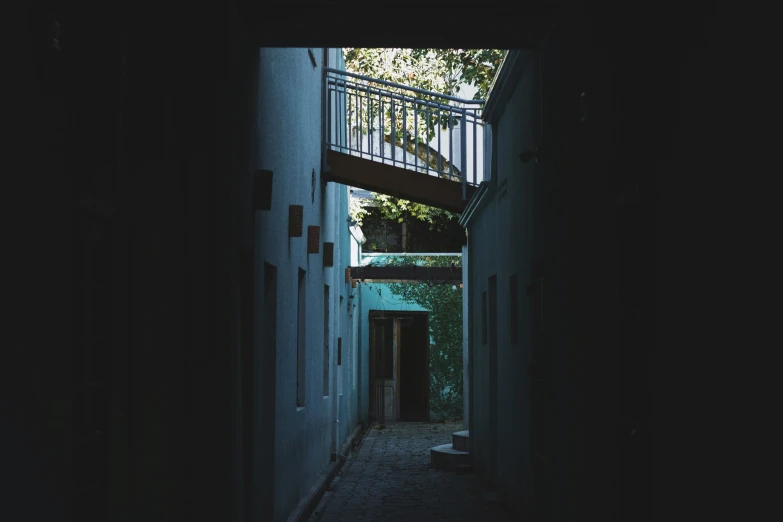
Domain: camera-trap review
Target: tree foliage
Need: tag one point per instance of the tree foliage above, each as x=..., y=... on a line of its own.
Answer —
x=444, y=304
x=410, y=236
x=437, y=70
x=401, y=210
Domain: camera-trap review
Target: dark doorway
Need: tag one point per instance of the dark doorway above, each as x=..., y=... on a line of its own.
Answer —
x=414, y=368
x=399, y=366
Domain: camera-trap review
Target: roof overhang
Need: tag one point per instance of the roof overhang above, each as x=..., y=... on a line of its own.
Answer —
x=484, y=192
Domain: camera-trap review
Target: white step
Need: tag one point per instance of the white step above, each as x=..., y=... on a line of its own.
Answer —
x=461, y=440
x=447, y=458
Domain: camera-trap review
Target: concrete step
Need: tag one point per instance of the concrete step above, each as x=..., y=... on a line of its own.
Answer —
x=461, y=440
x=445, y=457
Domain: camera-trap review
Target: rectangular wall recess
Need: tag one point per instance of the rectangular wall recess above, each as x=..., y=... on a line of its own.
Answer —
x=295, y=218
x=313, y=239
x=328, y=254
x=262, y=190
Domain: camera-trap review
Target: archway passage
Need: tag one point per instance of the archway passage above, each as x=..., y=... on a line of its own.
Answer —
x=399, y=366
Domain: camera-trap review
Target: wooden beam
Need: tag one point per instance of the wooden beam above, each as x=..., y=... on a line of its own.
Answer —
x=437, y=274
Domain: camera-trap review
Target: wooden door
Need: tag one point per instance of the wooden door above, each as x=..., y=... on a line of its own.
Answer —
x=384, y=403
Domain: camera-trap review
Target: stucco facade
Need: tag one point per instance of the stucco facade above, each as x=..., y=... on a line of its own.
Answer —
x=308, y=430
x=499, y=424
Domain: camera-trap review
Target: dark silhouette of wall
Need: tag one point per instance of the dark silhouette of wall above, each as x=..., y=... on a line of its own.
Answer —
x=137, y=140
x=138, y=122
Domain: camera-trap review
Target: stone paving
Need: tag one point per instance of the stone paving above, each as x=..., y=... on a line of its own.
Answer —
x=389, y=478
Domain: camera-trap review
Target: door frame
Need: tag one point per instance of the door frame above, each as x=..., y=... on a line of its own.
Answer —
x=396, y=315
x=374, y=399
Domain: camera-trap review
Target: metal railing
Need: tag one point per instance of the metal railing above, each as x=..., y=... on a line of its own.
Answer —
x=404, y=126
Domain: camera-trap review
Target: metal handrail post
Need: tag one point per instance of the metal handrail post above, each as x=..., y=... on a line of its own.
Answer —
x=393, y=139
x=463, y=127
x=475, y=149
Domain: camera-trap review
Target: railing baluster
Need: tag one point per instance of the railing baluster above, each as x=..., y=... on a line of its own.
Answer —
x=404, y=136
x=369, y=122
x=338, y=118
x=377, y=122
x=415, y=134
x=393, y=138
x=359, y=132
x=337, y=132
x=451, y=145
x=427, y=124
x=341, y=116
x=475, y=146
x=440, y=154
x=382, y=139
x=463, y=152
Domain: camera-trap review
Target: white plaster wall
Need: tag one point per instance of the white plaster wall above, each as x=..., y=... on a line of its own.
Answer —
x=289, y=127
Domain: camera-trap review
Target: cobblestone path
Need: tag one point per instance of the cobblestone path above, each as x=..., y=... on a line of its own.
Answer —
x=390, y=479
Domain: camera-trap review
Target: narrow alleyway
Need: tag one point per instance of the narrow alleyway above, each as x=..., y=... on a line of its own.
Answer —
x=389, y=478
